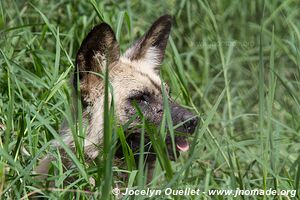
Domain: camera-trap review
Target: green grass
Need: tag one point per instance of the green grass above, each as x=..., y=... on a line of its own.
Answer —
x=234, y=63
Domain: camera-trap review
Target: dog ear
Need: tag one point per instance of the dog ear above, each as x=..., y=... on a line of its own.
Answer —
x=151, y=47
x=98, y=50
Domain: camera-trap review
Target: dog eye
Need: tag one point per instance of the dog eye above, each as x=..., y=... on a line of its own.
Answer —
x=140, y=97
x=143, y=97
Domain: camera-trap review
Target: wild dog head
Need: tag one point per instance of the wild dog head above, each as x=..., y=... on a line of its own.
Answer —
x=134, y=77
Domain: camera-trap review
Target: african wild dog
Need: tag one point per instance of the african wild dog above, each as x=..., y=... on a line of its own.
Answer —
x=134, y=76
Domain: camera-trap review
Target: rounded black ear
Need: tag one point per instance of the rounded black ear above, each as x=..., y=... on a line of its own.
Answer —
x=98, y=49
x=151, y=47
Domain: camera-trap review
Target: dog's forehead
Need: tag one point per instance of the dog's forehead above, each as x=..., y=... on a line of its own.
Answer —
x=136, y=76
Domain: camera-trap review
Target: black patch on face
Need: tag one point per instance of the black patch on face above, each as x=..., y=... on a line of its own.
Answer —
x=152, y=109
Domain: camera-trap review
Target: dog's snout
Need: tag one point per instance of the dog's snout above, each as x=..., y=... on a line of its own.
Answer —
x=190, y=122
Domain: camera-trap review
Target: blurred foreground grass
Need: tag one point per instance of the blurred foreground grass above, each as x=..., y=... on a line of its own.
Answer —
x=250, y=134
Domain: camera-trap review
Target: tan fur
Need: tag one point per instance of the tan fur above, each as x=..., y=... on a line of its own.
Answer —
x=135, y=70
x=124, y=77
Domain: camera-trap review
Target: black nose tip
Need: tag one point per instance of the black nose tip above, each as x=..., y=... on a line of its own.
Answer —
x=190, y=123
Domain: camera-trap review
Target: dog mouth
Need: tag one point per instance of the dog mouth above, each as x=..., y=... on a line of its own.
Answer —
x=174, y=145
x=134, y=140
x=182, y=143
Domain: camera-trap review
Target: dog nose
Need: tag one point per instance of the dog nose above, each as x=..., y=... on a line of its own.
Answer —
x=191, y=122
